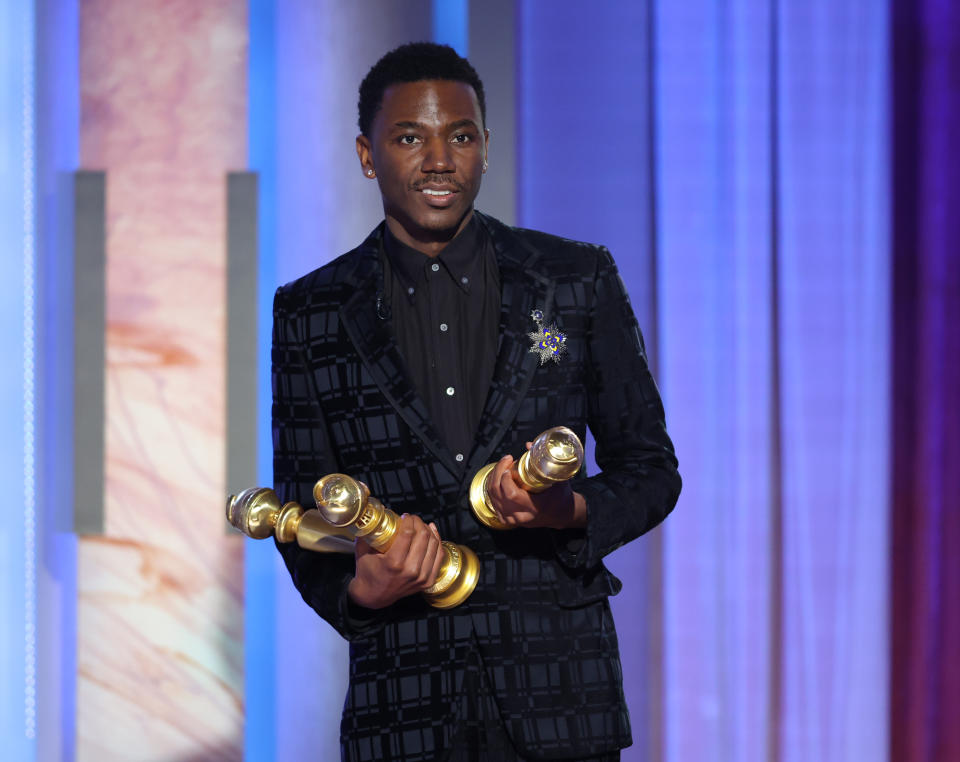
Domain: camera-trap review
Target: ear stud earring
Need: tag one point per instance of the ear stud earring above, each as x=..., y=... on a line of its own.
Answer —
x=369, y=173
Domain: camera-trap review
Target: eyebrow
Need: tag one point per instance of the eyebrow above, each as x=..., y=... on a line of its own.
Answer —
x=463, y=123
x=459, y=124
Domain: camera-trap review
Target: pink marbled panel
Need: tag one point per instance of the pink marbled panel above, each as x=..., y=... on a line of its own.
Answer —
x=160, y=652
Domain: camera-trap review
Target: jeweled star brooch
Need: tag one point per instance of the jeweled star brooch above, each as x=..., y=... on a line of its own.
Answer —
x=548, y=341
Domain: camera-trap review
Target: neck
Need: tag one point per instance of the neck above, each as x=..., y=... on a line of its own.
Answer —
x=429, y=242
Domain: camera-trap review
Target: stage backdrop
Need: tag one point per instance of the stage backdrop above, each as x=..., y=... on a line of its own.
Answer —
x=777, y=182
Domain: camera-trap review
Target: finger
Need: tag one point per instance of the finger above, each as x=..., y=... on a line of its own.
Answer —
x=438, y=557
x=430, y=565
x=396, y=554
x=496, y=476
x=508, y=486
x=420, y=557
x=437, y=563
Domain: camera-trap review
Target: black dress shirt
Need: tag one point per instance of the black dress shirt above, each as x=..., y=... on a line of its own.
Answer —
x=446, y=319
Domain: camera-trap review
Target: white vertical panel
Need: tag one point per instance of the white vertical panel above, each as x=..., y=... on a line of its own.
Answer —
x=714, y=205
x=18, y=706
x=835, y=332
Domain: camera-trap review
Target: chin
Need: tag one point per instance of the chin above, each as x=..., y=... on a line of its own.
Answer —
x=442, y=220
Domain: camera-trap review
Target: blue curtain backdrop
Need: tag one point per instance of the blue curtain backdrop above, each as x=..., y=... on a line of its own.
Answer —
x=773, y=221
x=734, y=157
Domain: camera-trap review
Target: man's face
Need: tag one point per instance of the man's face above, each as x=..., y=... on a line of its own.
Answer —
x=427, y=148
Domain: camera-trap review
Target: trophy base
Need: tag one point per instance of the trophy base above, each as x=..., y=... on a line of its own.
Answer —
x=478, y=499
x=464, y=582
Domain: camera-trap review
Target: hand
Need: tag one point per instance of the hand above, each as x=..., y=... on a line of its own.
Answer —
x=558, y=507
x=410, y=565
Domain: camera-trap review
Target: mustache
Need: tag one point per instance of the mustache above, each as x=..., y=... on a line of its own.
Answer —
x=439, y=181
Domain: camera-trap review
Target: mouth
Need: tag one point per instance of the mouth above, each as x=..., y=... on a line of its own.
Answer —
x=438, y=197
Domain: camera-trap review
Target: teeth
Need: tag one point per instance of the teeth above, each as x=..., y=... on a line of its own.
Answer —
x=430, y=192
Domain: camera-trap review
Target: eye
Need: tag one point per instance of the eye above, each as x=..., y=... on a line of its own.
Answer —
x=408, y=140
x=462, y=138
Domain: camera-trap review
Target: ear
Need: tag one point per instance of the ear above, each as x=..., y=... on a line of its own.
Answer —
x=486, y=147
x=365, y=154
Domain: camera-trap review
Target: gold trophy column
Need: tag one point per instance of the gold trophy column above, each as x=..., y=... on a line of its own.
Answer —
x=555, y=456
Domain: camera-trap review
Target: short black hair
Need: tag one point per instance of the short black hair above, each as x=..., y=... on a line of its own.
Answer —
x=414, y=62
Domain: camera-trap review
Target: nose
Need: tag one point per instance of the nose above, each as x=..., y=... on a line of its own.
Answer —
x=437, y=157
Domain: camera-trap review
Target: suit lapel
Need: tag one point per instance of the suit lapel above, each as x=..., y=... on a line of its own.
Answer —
x=522, y=289
x=378, y=350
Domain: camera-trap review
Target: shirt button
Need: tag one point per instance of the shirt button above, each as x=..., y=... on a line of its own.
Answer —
x=464, y=280
x=435, y=267
x=459, y=457
x=443, y=326
x=410, y=290
x=450, y=391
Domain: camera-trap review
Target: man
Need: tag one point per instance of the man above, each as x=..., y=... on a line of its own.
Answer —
x=407, y=364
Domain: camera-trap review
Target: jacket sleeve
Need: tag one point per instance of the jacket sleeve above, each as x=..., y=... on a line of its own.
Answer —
x=638, y=483
x=302, y=454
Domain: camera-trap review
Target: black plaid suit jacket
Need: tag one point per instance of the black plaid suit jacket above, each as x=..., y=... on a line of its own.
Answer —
x=343, y=402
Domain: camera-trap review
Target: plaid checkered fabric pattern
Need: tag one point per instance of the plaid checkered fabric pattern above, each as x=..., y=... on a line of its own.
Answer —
x=539, y=620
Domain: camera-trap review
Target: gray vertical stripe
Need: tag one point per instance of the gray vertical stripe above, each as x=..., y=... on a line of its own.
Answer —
x=492, y=27
x=89, y=336
x=241, y=378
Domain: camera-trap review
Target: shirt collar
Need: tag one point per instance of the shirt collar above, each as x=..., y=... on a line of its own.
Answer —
x=459, y=259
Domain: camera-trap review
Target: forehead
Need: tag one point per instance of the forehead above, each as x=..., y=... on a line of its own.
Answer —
x=430, y=101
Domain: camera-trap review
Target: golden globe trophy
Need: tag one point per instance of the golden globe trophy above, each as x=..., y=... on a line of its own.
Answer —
x=555, y=456
x=345, y=510
x=258, y=514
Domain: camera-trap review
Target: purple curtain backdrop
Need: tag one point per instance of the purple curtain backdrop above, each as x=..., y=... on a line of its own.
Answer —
x=925, y=670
